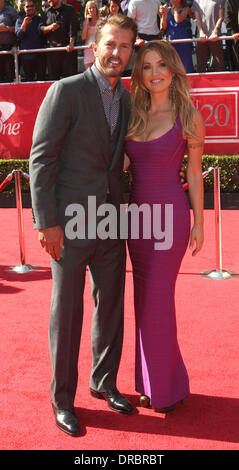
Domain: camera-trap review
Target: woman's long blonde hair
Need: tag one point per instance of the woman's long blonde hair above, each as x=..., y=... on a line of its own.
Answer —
x=180, y=98
x=86, y=12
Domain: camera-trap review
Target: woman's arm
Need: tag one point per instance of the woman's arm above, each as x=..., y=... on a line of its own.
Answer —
x=217, y=28
x=195, y=182
x=164, y=18
x=85, y=29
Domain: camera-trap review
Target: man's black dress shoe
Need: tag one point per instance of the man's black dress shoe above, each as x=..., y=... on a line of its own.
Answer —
x=67, y=421
x=115, y=400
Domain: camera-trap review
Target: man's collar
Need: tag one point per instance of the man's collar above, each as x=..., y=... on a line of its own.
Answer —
x=103, y=82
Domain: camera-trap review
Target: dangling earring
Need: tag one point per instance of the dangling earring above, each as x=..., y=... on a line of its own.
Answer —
x=172, y=90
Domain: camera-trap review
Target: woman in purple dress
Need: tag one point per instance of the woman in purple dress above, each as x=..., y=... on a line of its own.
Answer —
x=164, y=126
x=175, y=22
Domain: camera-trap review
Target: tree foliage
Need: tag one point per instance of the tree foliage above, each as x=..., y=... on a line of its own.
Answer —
x=12, y=3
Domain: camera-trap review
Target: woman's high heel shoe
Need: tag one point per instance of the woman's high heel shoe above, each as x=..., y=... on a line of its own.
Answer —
x=145, y=403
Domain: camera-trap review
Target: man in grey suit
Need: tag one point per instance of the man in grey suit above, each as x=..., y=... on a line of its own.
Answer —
x=77, y=152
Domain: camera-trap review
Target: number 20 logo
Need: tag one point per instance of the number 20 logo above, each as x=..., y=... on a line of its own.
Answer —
x=219, y=115
x=215, y=113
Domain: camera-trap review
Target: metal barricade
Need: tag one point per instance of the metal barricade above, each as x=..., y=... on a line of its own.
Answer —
x=218, y=273
x=15, y=51
x=23, y=268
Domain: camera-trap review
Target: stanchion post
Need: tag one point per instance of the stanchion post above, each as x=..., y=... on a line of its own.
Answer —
x=218, y=225
x=218, y=273
x=23, y=268
x=20, y=216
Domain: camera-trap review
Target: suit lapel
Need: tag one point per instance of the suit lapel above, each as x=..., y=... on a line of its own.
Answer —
x=122, y=129
x=98, y=122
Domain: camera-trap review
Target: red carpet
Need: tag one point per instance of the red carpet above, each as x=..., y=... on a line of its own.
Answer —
x=208, y=328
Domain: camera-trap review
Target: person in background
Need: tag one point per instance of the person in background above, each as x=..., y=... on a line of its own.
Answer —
x=89, y=30
x=232, y=24
x=60, y=25
x=20, y=7
x=8, y=17
x=99, y=3
x=30, y=37
x=103, y=11
x=114, y=7
x=145, y=14
x=175, y=23
x=209, y=16
x=21, y=13
x=44, y=5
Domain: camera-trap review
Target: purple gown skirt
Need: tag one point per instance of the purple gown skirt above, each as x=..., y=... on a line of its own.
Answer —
x=160, y=372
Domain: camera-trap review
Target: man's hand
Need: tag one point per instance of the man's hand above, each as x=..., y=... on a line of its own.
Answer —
x=54, y=26
x=214, y=36
x=52, y=239
x=69, y=47
x=25, y=22
x=139, y=42
x=3, y=28
x=203, y=37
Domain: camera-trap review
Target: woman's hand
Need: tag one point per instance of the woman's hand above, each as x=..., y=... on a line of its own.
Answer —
x=196, y=237
x=164, y=9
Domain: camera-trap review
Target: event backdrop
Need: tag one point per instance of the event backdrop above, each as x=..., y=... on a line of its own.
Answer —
x=214, y=94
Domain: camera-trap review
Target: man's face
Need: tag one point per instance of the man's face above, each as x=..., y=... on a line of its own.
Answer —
x=29, y=8
x=1, y=4
x=44, y=5
x=20, y=5
x=113, y=51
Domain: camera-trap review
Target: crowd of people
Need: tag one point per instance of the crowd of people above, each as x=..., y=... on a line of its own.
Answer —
x=73, y=22
x=67, y=23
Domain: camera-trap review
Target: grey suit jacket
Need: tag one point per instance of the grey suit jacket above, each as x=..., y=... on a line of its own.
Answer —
x=70, y=156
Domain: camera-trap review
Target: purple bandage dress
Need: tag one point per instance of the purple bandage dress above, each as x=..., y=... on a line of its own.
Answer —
x=160, y=372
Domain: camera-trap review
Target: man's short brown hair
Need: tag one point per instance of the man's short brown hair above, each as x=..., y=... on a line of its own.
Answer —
x=120, y=21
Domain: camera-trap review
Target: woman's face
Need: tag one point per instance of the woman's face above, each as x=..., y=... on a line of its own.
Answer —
x=92, y=10
x=157, y=77
x=114, y=8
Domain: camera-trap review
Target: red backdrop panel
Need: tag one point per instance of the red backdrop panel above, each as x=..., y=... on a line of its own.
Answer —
x=214, y=94
x=19, y=105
